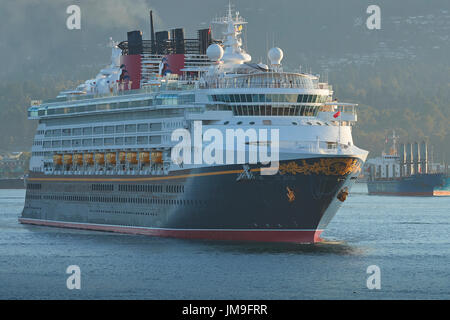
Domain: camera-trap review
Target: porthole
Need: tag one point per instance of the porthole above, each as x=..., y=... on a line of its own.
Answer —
x=239, y=122
x=252, y=123
x=226, y=122
x=295, y=123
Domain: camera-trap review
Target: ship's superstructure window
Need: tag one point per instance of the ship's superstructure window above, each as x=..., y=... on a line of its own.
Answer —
x=130, y=128
x=34, y=186
x=119, y=140
x=142, y=140
x=87, y=131
x=142, y=127
x=155, y=139
x=76, y=131
x=155, y=127
x=102, y=187
x=66, y=143
x=273, y=98
x=98, y=130
x=120, y=128
x=130, y=140
x=109, y=129
x=273, y=110
x=159, y=100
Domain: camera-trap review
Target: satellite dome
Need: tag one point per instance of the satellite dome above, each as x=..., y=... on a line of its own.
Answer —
x=275, y=55
x=214, y=52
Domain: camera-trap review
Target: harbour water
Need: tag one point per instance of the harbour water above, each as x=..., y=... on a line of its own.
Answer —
x=408, y=238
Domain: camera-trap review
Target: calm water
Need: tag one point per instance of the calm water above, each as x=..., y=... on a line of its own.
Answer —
x=408, y=238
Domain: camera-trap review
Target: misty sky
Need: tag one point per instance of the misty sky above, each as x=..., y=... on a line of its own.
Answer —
x=34, y=37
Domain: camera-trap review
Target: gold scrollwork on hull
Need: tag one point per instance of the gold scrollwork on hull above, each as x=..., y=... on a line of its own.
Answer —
x=290, y=194
x=326, y=166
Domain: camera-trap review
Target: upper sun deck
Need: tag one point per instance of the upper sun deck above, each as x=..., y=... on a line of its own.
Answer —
x=267, y=79
x=221, y=77
x=181, y=91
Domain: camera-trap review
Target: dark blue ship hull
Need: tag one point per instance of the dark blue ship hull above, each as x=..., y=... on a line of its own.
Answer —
x=414, y=185
x=221, y=203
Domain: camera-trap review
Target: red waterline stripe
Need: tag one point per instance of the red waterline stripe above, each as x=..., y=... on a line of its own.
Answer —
x=294, y=236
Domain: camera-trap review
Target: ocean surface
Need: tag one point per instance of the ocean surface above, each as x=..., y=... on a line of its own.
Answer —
x=408, y=238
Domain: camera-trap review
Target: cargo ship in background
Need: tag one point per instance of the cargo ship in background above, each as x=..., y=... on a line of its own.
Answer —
x=101, y=158
x=406, y=173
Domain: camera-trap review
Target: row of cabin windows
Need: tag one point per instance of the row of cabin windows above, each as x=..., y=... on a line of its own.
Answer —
x=267, y=110
x=102, y=142
x=133, y=188
x=34, y=186
x=120, y=128
x=112, y=199
x=162, y=99
x=33, y=196
x=152, y=188
x=125, y=212
x=142, y=188
x=37, y=143
x=300, y=98
x=102, y=187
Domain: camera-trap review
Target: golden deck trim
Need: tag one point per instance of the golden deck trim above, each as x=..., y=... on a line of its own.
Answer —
x=329, y=167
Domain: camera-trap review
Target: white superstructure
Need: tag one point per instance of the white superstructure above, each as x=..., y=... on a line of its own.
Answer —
x=104, y=128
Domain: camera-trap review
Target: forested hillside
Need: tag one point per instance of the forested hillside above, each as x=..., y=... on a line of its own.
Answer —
x=413, y=99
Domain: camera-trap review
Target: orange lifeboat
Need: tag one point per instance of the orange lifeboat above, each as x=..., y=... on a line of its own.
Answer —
x=100, y=158
x=144, y=157
x=57, y=159
x=67, y=158
x=88, y=158
x=78, y=159
x=122, y=157
x=157, y=157
x=111, y=158
x=132, y=157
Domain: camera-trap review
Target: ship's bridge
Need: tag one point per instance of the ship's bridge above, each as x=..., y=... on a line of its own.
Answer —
x=265, y=80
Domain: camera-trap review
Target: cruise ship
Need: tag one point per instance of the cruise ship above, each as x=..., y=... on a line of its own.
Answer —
x=103, y=154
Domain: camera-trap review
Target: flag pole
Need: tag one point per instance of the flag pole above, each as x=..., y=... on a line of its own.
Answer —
x=339, y=135
x=339, y=143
